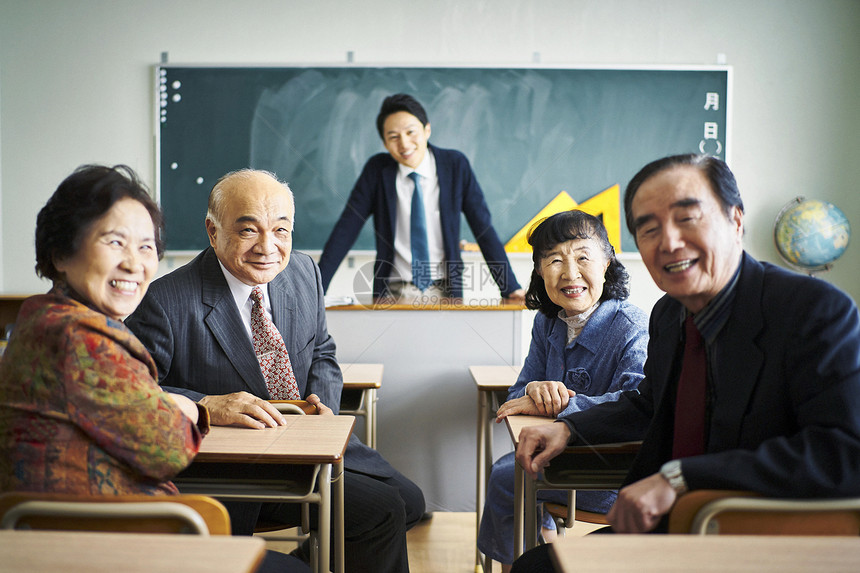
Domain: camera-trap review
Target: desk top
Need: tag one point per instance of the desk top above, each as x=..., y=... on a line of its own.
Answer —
x=494, y=377
x=84, y=552
x=717, y=553
x=447, y=304
x=361, y=375
x=303, y=440
x=517, y=422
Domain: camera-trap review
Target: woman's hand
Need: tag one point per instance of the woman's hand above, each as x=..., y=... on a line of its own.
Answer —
x=549, y=397
x=522, y=405
x=188, y=407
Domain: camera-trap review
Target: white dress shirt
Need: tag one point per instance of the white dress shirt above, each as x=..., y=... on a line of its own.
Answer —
x=242, y=297
x=402, y=241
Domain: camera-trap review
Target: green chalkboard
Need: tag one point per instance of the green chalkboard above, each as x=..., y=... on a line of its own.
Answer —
x=528, y=132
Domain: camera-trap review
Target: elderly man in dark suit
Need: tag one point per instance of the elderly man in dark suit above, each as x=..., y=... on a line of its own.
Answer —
x=198, y=322
x=752, y=380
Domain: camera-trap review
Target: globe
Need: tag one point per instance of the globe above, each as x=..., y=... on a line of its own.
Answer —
x=811, y=234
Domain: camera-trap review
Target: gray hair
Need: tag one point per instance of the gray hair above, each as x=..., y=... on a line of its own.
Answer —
x=215, y=211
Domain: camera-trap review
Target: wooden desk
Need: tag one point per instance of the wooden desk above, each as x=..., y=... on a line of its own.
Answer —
x=10, y=304
x=427, y=352
x=250, y=468
x=705, y=554
x=492, y=383
x=84, y=552
x=597, y=467
x=360, y=383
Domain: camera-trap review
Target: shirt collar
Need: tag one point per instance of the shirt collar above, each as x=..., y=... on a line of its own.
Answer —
x=710, y=320
x=242, y=292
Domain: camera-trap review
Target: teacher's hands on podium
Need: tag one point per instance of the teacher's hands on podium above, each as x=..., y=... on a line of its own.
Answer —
x=516, y=297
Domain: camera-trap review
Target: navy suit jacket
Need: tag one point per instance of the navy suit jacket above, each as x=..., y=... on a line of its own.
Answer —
x=189, y=322
x=785, y=383
x=375, y=194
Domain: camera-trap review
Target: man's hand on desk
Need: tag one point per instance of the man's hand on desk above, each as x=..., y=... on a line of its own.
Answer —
x=322, y=409
x=641, y=505
x=540, y=444
x=242, y=409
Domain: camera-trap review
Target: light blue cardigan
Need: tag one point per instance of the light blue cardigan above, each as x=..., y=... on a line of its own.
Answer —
x=604, y=360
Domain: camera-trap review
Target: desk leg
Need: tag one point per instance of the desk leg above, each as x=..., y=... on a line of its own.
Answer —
x=324, y=482
x=518, y=510
x=370, y=419
x=530, y=512
x=337, y=507
x=484, y=434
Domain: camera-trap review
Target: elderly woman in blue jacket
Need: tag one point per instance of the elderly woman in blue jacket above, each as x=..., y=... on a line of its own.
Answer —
x=588, y=345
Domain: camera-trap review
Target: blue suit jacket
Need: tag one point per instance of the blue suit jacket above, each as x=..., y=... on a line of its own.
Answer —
x=785, y=378
x=375, y=194
x=189, y=322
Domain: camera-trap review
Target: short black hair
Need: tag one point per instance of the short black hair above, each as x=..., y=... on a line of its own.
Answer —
x=563, y=227
x=718, y=174
x=399, y=102
x=82, y=198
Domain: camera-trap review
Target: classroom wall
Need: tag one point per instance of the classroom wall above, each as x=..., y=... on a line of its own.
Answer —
x=76, y=84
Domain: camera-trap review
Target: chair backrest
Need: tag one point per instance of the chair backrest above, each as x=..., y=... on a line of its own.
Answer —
x=127, y=513
x=745, y=513
x=300, y=407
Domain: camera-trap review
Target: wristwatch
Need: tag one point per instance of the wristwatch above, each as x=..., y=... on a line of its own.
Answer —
x=671, y=470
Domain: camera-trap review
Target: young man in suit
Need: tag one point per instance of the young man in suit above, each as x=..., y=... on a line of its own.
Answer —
x=416, y=176
x=202, y=325
x=769, y=400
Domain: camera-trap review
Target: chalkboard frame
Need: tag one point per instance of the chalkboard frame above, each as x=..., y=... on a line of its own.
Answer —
x=367, y=139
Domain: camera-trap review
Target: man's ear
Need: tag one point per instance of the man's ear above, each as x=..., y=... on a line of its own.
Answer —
x=737, y=219
x=211, y=231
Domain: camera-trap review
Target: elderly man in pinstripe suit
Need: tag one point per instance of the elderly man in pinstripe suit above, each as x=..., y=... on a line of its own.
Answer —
x=196, y=323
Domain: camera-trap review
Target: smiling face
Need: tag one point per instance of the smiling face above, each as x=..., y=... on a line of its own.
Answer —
x=405, y=138
x=116, y=260
x=573, y=273
x=686, y=240
x=254, y=236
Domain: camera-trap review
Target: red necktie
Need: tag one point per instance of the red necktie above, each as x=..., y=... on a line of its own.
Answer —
x=272, y=353
x=690, y=402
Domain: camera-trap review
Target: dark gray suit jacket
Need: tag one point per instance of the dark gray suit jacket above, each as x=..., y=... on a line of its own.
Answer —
x=189, y=322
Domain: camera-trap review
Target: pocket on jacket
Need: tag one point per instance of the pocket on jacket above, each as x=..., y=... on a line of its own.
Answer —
x=578, y=380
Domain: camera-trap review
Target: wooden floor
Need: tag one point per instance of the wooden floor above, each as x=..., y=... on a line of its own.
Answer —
x=445, y=543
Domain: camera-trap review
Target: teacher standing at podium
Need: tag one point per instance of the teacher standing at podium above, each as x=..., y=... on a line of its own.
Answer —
x=416, y=193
